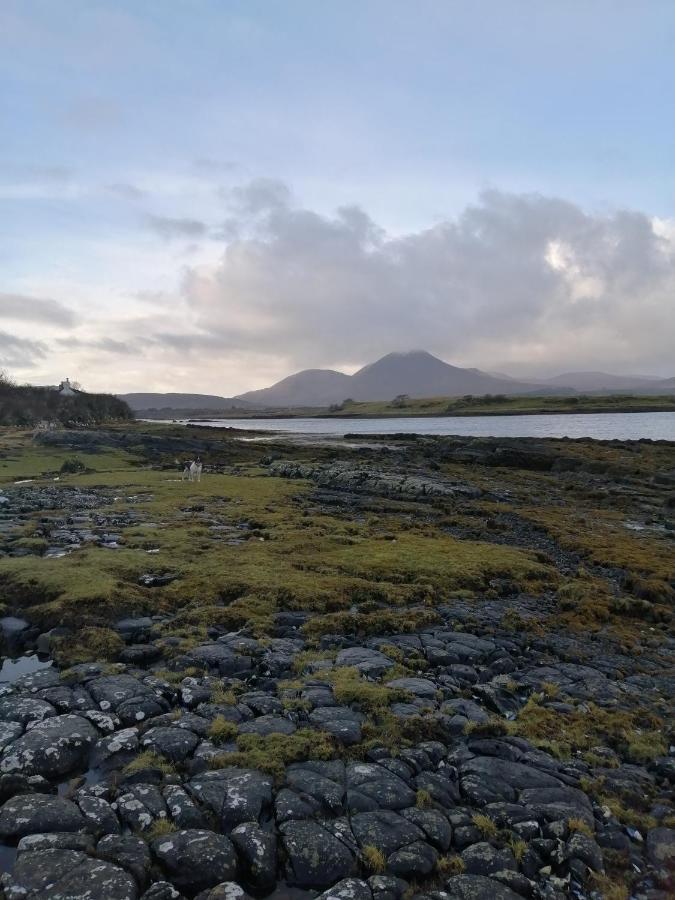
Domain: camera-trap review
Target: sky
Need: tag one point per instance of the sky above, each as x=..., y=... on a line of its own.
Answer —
x=207, y=195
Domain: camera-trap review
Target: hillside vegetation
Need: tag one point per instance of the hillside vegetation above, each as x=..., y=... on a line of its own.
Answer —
x=500, y=404
x=24, y=405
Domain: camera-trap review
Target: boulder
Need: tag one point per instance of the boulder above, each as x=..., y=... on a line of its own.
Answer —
x=314, y=856
x=195, y=860
x=67, y=874
x=38, y=813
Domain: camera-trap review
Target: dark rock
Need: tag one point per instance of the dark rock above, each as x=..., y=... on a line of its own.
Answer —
x=348, y=889
x=181, y=808
x=582, y=847
x=257, y=851
x=195, y=859
x=477, y=887
x=484, y=859
x=226, y=890
x=661, y=846
x=23, y=709
x=385, y=830
x=162, y=890
x=233, y=795
x=57, y=840
x=314, y=856
x=129, y=852
x=340, y=721
x=56, y=746
x=265, y=725
x=140, y=806
x=368, y=662
x=176, y=744
x=37, y=813
x=100, y=816
x=67, y=874
x=414, y=861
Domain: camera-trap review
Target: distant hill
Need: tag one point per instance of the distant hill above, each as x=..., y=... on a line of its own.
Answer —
x=417, y=374
x=603, y=381
x=311, y=387
x=140, y=402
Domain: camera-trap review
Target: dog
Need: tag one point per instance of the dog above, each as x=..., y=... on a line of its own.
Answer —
x=192, y=471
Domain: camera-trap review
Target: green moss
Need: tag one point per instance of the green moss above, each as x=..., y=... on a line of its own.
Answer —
x=221, y=731
x=272, y=753
x=636, y=734
x=89, y=644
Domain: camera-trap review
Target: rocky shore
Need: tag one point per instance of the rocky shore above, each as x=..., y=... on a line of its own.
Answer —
x=460, y=687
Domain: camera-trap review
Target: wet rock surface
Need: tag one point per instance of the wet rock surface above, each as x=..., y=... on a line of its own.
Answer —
x=447, y=759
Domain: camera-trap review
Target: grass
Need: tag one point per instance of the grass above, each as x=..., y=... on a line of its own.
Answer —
x=272, y=753
x=221, y=731
x=148, y=759
x=90, y=644
x=159, y=828
x=423, y=799
x=500, y=405
x=373, y=859
x=580, y=825
x=485, y=825
x=635, y=734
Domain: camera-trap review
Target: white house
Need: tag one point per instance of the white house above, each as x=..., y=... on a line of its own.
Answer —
x=66, y=389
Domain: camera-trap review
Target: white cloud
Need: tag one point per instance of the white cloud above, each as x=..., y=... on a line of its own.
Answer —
x=517, y=282
x=514, y=278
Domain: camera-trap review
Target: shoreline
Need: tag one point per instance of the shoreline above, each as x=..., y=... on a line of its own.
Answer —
x=436, y=415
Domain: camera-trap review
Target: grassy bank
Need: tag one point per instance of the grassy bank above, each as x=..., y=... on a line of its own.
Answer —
x=501, y=406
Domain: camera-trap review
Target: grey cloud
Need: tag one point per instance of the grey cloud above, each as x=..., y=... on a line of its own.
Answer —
x=126, y=191
x=262, y=195
x=35, y=309
x=20, y=353
x=26, y=173
x=207, y=166
x=514, y=277
x=106, y=344
x=171, y=229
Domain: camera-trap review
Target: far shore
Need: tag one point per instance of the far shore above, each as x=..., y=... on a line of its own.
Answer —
x=432, y=408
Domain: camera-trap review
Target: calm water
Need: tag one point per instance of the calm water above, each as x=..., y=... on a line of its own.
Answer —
x=604, y=426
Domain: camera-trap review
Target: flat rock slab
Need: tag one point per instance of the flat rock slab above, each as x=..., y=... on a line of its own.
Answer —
x=195, y=859
x=67, y=875
x=54, y=747
x=478, y=887
x=315, y=857
x=37, y=814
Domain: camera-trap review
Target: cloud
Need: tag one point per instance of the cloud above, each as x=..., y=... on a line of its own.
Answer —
x=35, y=309
x=208, y=167
x=172, y=229
x=22, y=174
x=106, y=344
x=513, y=279
x=126, y=191
x=20, y=353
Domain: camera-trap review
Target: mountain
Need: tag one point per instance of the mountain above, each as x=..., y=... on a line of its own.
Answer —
x=417, y=374
x=602, y=381
x=311, y=387
x=140, y=401
x=663, y=386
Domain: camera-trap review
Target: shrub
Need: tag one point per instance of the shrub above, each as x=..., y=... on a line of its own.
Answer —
x=72, y=466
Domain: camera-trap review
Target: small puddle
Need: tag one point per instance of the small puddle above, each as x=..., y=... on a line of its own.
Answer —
x=7, y=858
x=13, y=669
